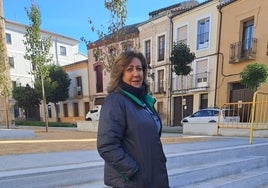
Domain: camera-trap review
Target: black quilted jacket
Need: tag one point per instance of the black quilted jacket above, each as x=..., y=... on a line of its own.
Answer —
x=130, y=145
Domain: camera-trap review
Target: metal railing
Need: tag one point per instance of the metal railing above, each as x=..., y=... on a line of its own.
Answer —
x=191, y=82
x=158, y=87
x=77, y=91
x=243, y=50
x=252, y=115
x=259, y=119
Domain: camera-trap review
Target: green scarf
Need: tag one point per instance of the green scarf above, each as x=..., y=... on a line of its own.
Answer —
x=148, y=99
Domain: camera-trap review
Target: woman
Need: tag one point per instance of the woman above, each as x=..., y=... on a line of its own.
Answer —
x=129, y=129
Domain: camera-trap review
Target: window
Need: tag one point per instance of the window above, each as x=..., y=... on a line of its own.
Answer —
x=8, y=38
x=246, y=48
x=76, y=110
x=79, y=87
x=247, y=38
x=57, y=109
x=161, y=81
x=161, y=48
x=63, y=51
x=14, y=84
x=99, y=79
x=203, y=33
x=49, y=111
x=148, y=51
x=182, y=34
x=86, y=105
x=65, y=110
x=160, y=108
x=203, y=101
x=11, y=62
x=96, y=56
x=201, y=73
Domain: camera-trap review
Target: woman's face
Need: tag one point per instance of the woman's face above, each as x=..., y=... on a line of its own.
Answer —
x=133, y=73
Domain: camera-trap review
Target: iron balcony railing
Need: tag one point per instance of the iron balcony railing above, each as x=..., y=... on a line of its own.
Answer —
x=158, y=87
x=77, y=91
x=243, y=50
x=193, y=82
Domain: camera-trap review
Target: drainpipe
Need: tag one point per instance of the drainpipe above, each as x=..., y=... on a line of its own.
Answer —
x=169, y=15
x=218, y=57
x=56, y=51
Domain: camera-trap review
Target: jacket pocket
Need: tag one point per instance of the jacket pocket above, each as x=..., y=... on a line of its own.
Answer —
x=135, y=181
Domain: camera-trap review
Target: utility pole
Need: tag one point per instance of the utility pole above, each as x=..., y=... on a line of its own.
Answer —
x=5, y=82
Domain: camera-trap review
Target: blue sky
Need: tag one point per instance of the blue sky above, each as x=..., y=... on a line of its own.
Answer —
x=70, y=18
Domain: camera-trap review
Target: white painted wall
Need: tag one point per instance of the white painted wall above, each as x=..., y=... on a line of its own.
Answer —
x=210, y=129
x=21, y=72
x=22, y=68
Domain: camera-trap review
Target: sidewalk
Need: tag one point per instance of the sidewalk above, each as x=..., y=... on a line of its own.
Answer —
x=13, y=132
x=44, y=163
x=14, y=163
x=172, y=129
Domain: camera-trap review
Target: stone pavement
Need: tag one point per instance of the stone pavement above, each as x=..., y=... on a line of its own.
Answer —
x=15, y=133
x=14, y=165
x=20, y=133
x=172, y=129
x=32, y=161
x=15, y=162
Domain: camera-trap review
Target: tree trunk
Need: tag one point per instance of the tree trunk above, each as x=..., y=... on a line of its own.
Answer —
x=44, y=101
x=181, y=97
x=57, y=111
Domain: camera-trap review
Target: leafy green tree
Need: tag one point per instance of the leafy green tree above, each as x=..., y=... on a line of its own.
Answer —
x=62, y=82
x=57, y=86
x=37, y=50
x=26, y=98
x=181, y=59
x=254, y=75
x=5, y=82
x=4, y=69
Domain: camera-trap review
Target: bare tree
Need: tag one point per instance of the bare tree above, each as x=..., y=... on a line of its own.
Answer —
x=118, y=37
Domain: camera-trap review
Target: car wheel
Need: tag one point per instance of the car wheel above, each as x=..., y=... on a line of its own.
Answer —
x=212, y=121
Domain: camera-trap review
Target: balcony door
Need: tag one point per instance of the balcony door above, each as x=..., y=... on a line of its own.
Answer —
x=247, y=40
x=161, y=81
x=201, y=76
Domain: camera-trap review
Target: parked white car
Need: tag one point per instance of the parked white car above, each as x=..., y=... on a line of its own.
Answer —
x=94, y=115
x=211, y=115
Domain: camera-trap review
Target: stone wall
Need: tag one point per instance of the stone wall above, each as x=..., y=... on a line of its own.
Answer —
x=88, y=126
